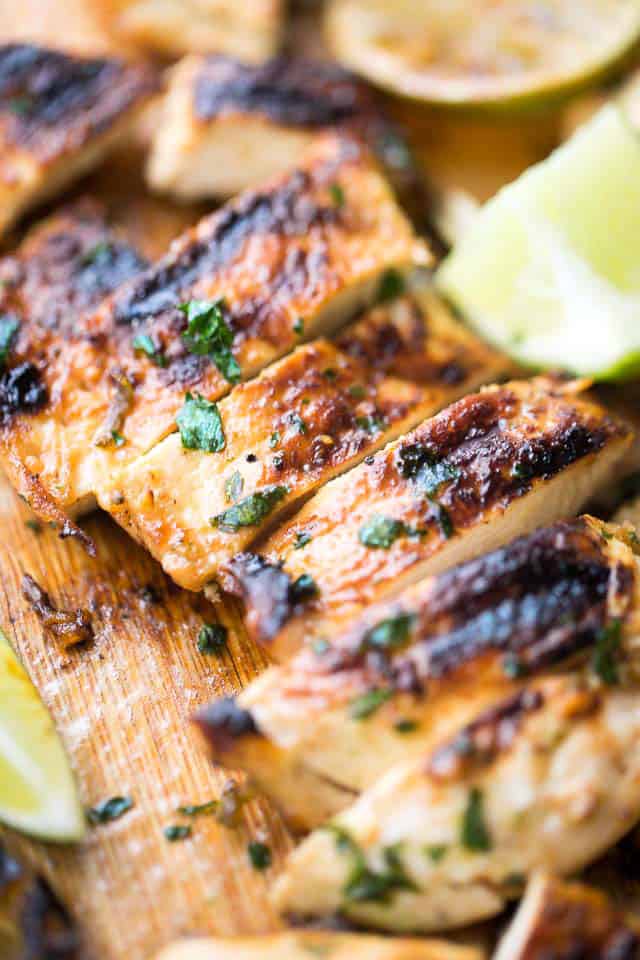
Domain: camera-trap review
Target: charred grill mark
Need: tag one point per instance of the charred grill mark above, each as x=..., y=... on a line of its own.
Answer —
x=21, y=391
x=266, y=590
x=223, y=722
x=51, y=102
x=481, y=741
x=290, y=91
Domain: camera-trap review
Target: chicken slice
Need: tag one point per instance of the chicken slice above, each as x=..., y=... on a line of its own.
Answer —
x=548, y=778
x=277, y=255
x=49, y=410
x=568, y=920
x=304, y=420
x=415, y=669
x=227, y=125
x=59, y=116
x=250, y=30
x=305, y=944
x=492, y=465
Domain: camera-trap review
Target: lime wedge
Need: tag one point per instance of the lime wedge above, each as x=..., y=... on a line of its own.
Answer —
x=483, y=54
x=550, y=268
x=38, y=792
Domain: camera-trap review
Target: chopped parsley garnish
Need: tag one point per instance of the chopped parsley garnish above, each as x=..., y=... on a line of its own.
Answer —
x=109, y=810
x=200, y=425
x=259, y=855
x=337, y=194
x=118, y=439
x=604, y=662
x=251, y=511
x=97, y=254
x=366, y=884
x=436, y=852
x=177, y=832
x=390, y=633
x=274, y=439
x=392, y=285
x=212, y=638
x=381, y=532
x=198, y=809
x=330, y=374
x=304, y=588
x=474, y=832
x=357, y=390
x=296, y=421
x=370, y=423
x=405, y=726
x=19, y=105
x=34, y=525
x=301, y=540
x=444, y=520
x=233, y=487
x=298, y=326
x=365, y=705
x=143, y=343
x=9, y=326
x=209, y=335
x=418, y=463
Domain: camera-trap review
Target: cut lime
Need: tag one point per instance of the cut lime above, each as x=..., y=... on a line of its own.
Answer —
x=483, y=53
x=550, y=268
x=38, y=792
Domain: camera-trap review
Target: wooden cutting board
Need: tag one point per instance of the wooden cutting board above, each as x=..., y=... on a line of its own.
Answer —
x=123, y=704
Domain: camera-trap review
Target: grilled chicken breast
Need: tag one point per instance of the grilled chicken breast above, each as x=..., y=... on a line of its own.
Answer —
x=250, y=30
x=276, y=255
x=59, y=116
x=302, y=945
x=305, y=419
x=417, y=668
x=568, y=920
x=492, y=465
x=546, y=778
x=50, y=414
x=227, y=125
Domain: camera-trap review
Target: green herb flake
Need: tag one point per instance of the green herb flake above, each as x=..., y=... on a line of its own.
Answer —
x=259, y=855
x=366, y=705
x=420, y=464
x=34, y=525
x=9, y=326
x=443, y=519
x=405, y=726
x=358, y=391
x=392, y=285
x=20, y=105
x=274, y=439
x=177, y=832
x=118, y=439
x=99, y=253
x=209, y=335
x=296, y=421
x=301, y=540
x=512, y=666
x=233, y=487
x=251, y=511
x=212, y=638
x=604, y=662
x=337, y=194
x=380, y=532
x=364, y=883
x=436, y=852
x=198, y=809
x=143, y=343
x=391, y=633
x=370, y=423
x=109, y=810
x=304, y=588
x=474, y=832
x=298, y=326
x=200, y=425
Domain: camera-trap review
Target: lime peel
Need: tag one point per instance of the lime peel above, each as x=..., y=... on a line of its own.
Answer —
x=549, y=270
x=38, y=793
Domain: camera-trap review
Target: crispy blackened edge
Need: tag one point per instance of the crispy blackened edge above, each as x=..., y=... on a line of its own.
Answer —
x=266, y=591
x=223, y=722
x=288, y=90
x=22, y=390
x=51, y=102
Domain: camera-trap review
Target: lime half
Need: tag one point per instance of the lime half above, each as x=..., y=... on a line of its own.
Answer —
x=38, y=792
x=550, y=268
x=482, y=53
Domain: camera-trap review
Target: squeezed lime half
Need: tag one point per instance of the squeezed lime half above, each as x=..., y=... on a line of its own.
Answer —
x=550, y=268
x=38, y=793
x=482, y=53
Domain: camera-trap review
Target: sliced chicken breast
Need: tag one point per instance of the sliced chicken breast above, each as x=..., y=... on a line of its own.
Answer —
x=548, y=778
x=304, y=420
x=250, y=30
x=568, y=920
x=59, y=116
x=492, y=465
x=301, y=945
x=416, y=669
x=51, y=419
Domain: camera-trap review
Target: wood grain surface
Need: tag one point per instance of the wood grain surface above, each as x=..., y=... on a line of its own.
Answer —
x=123, y=703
